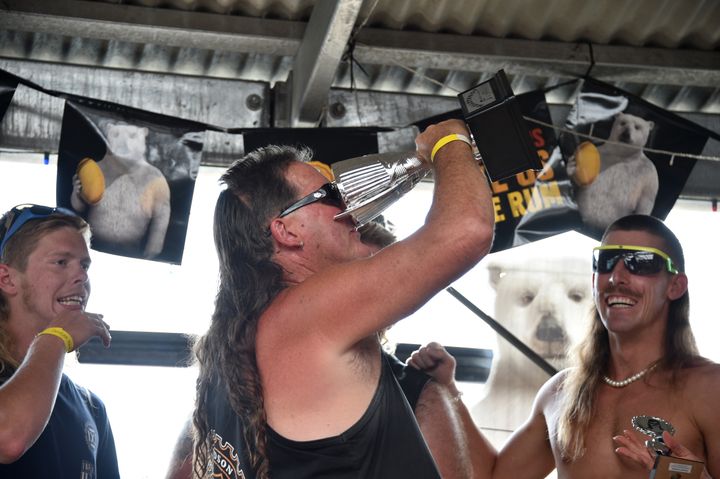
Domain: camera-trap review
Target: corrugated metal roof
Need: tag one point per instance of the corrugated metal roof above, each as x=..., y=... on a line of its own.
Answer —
x=217, y=38
x=662, y=23
x=666, y=23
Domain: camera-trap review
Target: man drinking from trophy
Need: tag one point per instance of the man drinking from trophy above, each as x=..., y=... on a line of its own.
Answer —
x=292, y=381
x=638, y=367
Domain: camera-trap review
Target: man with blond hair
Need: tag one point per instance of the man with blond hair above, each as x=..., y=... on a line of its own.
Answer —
x=639, y=358
x=49, y=427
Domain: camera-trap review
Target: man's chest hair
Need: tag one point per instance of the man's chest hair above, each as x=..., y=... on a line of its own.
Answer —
x=617, y=406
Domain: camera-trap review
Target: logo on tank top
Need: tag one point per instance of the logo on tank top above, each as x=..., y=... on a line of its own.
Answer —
x=87, y=470
x=225, y=461
x=91, y=436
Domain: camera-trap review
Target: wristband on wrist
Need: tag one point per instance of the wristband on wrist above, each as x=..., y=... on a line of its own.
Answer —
x=62, y=334
x=448, y=139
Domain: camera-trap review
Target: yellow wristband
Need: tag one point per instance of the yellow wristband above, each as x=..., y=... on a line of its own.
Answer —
x=447, y=139
x=62, y=334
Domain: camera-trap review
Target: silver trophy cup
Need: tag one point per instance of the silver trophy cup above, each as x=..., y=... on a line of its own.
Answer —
x=370, y=184
x=666, y=466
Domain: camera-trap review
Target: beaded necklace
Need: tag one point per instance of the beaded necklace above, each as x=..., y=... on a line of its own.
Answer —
x=631, y=379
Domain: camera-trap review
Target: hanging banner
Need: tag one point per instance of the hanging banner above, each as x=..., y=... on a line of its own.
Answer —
x=516, y=196
x=131, y=174
x=8, y=85
x=613, y=162
x=328, y=144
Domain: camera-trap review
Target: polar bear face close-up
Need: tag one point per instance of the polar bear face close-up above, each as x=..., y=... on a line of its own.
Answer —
x=544, y=303
x=127, y=141
x=631, y=129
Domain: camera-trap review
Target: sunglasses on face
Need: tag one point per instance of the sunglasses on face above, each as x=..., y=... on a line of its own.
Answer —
x=640, y=260
x=327, y=193
x=21, y=214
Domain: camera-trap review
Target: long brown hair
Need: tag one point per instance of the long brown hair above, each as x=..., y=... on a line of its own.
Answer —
x=257, y=190
x=16, y=252
x=592, y=355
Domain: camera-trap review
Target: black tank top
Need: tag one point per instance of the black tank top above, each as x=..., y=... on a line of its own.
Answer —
x=385, y=443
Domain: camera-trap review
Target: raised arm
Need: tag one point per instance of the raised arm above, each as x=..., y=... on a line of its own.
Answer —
x=380, y=290
x=526, y=455
x=317, y=347
x=458, y=447
x=28, y=397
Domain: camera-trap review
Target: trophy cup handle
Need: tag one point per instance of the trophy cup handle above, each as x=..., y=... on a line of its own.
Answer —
x=666, y=466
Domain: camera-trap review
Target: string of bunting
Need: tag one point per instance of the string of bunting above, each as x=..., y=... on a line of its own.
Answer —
x=672, y=154
x=625, y=145
x=425, y=77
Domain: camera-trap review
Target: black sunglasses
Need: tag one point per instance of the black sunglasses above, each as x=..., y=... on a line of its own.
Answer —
x=21, y=214
x=327, y=193
x=640, y=260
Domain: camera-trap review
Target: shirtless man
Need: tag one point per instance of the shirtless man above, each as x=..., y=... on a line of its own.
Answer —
x=639, y=358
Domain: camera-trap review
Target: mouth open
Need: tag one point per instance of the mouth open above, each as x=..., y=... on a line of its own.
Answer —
x=72, y=301
x=620, y=302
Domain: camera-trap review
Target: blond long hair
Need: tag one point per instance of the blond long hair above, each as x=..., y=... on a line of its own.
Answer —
x=592, y=355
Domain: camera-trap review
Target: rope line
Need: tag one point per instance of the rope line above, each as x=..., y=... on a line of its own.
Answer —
x=672, y=154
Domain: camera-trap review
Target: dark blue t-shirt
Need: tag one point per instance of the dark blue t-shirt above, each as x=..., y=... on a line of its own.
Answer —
x=77, y=442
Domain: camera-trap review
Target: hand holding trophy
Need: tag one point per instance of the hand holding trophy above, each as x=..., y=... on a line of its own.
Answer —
x=500, y=139
x=666, y=466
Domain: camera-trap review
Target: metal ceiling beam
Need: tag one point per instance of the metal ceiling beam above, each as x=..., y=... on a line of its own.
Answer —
x=127, y=23
x=317, y=60
x=538, y=58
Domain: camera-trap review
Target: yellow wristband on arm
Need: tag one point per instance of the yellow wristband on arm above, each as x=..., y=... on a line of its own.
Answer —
x=62, y=334
x=448, y=139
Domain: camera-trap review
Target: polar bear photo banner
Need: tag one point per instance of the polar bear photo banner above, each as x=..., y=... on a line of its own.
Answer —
x=131, y=174
x=614, y=151
x=8, y=85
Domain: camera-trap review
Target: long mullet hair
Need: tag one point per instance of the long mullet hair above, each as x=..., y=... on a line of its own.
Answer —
x=249, y=280
x=592, y=355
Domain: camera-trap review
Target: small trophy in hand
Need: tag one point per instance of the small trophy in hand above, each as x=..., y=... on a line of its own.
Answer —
x=666, y=466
